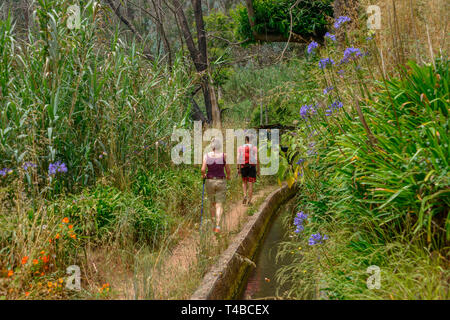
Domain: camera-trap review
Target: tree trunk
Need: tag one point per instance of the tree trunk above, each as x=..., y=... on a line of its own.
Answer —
x=159, y=21
x=199, y=57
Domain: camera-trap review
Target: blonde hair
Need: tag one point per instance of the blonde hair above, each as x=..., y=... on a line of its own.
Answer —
x=216, y=144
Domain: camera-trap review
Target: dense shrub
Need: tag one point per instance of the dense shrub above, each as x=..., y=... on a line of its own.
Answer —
x=105, y=213
x=272, y=16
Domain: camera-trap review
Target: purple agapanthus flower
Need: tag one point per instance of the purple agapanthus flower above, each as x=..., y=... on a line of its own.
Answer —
x=307, y=110
x=313, y=45
x=56, y=167
x=323, y=63
x=317, y=239
x=333, y=107
x=298, y=221
x=330, y=36
x=28, y=165
x=300, y=161
x=5, y=171
x=340, y=21
x=327, y=90
x=299, y=228
x=351, y=54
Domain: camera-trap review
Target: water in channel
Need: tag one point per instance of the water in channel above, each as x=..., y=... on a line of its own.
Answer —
x=261, y=283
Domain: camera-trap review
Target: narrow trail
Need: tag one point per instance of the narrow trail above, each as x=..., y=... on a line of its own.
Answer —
x=184, y=256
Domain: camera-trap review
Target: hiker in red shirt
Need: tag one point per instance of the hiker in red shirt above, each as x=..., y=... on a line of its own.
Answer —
x=248, y=167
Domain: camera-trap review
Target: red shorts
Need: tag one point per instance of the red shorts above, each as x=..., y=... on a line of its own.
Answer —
x=249, y=179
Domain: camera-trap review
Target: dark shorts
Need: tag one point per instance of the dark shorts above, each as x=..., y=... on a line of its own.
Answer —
x=248, y=172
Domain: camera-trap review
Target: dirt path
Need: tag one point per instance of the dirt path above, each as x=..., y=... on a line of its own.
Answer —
x=184, y=256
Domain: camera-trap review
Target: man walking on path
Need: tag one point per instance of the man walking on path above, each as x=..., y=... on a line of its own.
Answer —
x=248, y=168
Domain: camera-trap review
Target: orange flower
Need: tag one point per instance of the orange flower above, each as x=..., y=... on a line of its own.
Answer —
x=61, y=280
x=42, y=252
x=65, y=220
x=35, y=261
x=49, y=284
x=57, y=236
x=71, y=226
x=50, y=240
x=73, y=236
x=10, y=273
x=45, y=259
x=24, y=259
x=42, y=274
x=27, y=294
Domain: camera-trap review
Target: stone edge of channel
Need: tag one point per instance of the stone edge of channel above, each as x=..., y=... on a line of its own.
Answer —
x=224, y=278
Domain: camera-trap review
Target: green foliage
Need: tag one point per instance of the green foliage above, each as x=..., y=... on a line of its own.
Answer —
x=405, y=173
x=168, y=188
x=105, y=213
x=283, y=88
x=220, y=28
x=309, y=18
x=67, y=97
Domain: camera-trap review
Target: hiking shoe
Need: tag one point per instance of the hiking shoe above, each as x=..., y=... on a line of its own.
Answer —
x=245, y=200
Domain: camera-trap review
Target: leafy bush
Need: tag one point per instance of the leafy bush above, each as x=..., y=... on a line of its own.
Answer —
x=272, y=16
x=106, y=213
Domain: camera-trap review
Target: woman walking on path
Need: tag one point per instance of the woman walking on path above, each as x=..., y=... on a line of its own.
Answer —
x=216, y=185
x=248, y=168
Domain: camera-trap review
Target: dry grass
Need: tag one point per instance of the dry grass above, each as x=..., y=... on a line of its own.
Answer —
x=411, y=29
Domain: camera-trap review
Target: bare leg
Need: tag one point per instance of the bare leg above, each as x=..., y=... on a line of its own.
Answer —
x=244, y=187
x=219, y=211
x=250, y=191
x=212, y=210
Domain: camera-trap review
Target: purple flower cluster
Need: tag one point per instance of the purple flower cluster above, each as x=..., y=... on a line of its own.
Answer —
x=298, y=221
x=307, y=110
x=300, y=161
x=5, y=171
x=333, y=107
x=330, y=36
x=28, y=165
x=351, y=54
x=313, y=45
x=323, y=63
x=317, y=239
x=341, y=20
x=311, y=151
x=327, y=89
x=58, y=166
